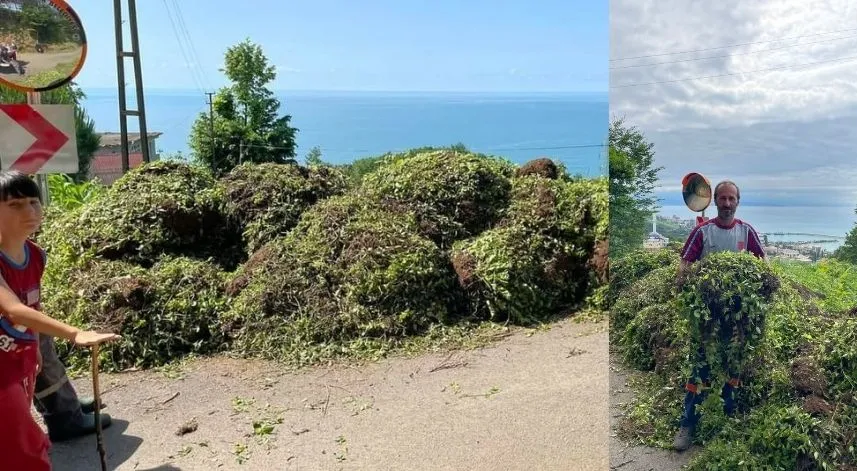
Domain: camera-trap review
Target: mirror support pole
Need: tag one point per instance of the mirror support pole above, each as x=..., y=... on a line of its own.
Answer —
x=124, y=112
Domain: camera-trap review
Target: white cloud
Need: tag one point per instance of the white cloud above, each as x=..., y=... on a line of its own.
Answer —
x=793, y=127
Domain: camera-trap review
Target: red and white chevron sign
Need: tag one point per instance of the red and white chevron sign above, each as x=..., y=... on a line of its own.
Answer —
x=38, y=138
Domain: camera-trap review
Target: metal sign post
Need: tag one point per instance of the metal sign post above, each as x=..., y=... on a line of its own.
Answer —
x=35, y=98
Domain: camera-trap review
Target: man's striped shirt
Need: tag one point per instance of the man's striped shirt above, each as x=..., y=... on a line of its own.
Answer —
x=710, y=237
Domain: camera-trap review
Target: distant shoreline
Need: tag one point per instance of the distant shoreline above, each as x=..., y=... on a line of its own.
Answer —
x=588, y=96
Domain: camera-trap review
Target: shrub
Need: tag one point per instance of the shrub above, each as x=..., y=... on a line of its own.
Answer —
x=725, y=303
x=572, y=211
x=655, y=339
x=636, y=265
x=654, y=288
x=348, y=270
x=511, y=273
x=266, y=200
x=156, y=209
x=163, y=313
x=66, y=194
x=793, y=344
x=453, y=195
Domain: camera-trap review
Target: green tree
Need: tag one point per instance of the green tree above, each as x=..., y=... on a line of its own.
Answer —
x=87, y=139
x=847, y=252
x=313, y=157
x=632, y=181
x=246, y=122
x=45, y=21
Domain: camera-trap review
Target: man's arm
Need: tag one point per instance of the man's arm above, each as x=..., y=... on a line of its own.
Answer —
x=690, y=253
x=754, y=244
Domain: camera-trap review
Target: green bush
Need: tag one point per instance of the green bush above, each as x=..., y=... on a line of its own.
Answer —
x=656, y=287
x=726, y=298
x=65, y=194
x=333, y=269
x=574, y=211
x=511, y=273
x=539, y=260
x=774, y=437
x=163, y=313
x=348, y=270
x=656, y=338
x=634, y=266
x=570, y=210
x=162, y=208
x=453, y=195
x=266, y=200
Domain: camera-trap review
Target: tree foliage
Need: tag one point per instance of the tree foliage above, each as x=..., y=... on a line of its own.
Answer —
x=847, y=252
x=632, y=182
x=247, y=125
x=49, y=25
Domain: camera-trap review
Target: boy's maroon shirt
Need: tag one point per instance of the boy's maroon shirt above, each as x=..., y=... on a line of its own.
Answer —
x=19, y=345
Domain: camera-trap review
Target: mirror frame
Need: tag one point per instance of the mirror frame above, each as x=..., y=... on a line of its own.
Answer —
x=63, y=8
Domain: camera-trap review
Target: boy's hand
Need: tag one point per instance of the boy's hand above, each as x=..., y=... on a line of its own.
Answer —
x=89, y=338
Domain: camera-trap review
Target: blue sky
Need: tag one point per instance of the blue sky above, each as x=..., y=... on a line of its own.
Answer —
x=381, y=45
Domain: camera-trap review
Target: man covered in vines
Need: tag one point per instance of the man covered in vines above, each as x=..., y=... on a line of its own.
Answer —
x=723, y=233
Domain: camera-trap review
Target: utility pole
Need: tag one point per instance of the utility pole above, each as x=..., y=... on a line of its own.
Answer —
x=121, y=54
x=211, y=121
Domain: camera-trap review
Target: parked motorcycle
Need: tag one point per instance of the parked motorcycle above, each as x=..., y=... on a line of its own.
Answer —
x=9, y=58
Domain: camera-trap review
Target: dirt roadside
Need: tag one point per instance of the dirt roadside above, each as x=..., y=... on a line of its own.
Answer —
x=626, y=457
x=531, y=401
x=35, y=63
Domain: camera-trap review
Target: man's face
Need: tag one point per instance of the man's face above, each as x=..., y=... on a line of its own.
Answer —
x=727, y=202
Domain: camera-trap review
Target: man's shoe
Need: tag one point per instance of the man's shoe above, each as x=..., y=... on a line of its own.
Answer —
x=84, y=426
x=683, y=439
x=87, y=405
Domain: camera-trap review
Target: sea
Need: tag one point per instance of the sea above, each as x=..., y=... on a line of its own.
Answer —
x=811, y=223
x=568, y=127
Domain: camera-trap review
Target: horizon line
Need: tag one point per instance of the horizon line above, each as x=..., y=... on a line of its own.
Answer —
x=769, y=205
x=334, y=90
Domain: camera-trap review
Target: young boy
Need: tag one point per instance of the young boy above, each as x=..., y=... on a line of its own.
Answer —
x=23, y=445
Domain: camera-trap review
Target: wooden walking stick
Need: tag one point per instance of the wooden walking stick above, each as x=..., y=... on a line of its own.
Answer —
x=99, y=438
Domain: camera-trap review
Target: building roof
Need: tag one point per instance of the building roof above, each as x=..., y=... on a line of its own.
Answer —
x=109, y=139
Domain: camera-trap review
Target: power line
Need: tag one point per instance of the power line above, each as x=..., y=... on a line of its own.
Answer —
x=842, y=59
x=732, y=45
x=195, y=77
x=192, y=46
x=730, y=55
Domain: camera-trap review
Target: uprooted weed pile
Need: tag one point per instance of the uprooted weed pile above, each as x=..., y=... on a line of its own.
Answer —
x=792, y=339
x=293, y=263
